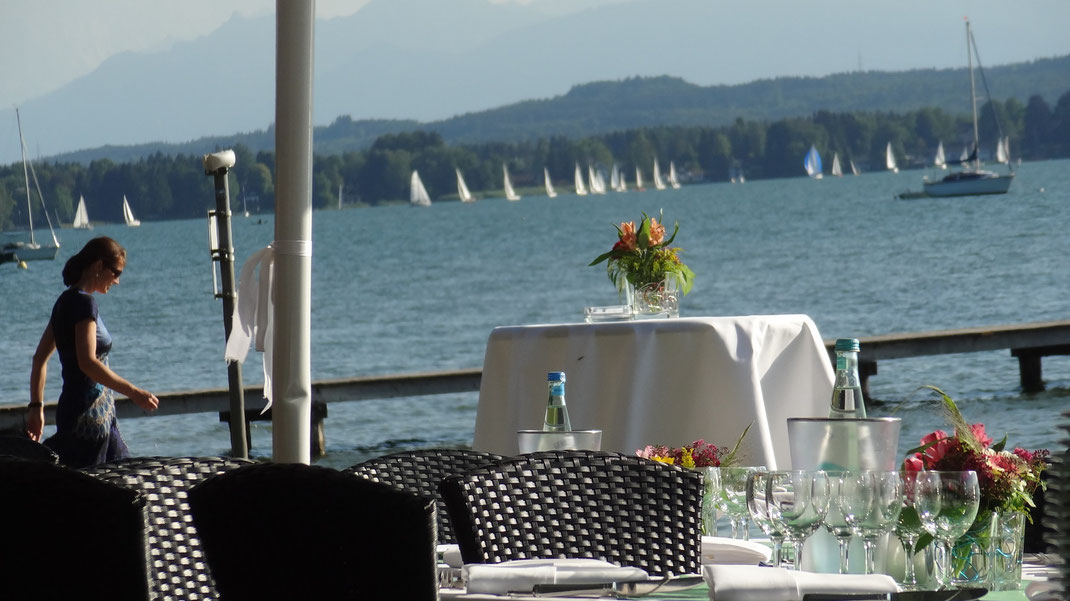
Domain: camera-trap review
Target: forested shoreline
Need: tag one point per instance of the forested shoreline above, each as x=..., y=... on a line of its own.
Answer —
x=175, y=187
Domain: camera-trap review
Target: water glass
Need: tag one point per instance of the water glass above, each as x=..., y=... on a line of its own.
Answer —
x=947, y=504
x=712, y=501
x=835, y=522
x=734, y=498
x=758, y=492
x=871, y=501
x=797, y=502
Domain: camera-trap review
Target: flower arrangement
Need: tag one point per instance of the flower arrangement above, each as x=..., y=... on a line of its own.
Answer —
x=697, y=454
x=643, y=256
x=1007, y=479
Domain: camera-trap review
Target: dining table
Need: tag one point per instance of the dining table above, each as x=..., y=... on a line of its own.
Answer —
x=667, y=381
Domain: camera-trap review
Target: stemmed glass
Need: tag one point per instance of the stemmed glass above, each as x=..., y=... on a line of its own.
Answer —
x=712, y=502
x=758, y=507
x=797, y=502
x=947, y=504
x=871, y=501
x=908, y=528
x=835, y=523
x=734, y=498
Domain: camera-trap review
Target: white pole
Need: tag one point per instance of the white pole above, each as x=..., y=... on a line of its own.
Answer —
x=291, y=379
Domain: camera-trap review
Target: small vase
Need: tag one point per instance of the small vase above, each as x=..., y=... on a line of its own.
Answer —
x=657, y=299
x=971, y=555
x=1008, y=539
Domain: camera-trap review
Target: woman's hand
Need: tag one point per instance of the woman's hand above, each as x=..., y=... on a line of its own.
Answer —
x=145, y=399
x=35, y=422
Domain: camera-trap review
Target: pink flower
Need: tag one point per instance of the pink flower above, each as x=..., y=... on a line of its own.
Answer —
x=979, y=433
x=913, y=464
x=1023, y=454
x=657, y=232
x=627, y=235
x=936, y=452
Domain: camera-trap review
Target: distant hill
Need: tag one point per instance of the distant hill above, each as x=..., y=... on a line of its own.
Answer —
x=637, y=102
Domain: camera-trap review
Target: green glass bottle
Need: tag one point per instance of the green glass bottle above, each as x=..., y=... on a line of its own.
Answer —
x=556, y=411
x=847, y=400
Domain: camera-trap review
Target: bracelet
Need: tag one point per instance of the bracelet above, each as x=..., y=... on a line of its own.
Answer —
x=35, y=404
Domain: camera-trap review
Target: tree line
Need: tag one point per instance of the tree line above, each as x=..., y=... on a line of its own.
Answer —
x=175, y=187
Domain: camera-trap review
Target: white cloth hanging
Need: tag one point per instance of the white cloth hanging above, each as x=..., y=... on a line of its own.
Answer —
x=253, y=311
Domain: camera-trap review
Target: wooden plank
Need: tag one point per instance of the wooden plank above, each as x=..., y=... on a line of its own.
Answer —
x=967, y=340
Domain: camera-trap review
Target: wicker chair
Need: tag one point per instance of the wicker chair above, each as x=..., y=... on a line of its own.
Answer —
x=619, y=508
x=69, y=536
x=420, y=472
x=26, y=448
x=177, y=568
x=292, y=531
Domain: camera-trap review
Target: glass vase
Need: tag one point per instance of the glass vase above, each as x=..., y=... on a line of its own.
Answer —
x=971, y=555
x=657, y=299
x=1008, y=539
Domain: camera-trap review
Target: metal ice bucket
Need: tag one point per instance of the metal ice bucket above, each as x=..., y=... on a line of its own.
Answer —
x=530, y=441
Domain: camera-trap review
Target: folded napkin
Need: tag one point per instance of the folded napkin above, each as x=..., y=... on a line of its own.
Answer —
x=754, y=583
x=716, y=549
x=524, y=574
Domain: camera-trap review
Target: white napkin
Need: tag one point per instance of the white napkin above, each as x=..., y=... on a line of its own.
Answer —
x=450, y=555
x=720, y=550
x=754, y=583
x=1043, y=590
x=523, y=574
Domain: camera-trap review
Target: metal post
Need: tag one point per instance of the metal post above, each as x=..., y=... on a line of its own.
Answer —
x=218, y=165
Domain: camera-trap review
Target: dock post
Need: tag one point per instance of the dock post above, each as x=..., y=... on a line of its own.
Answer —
x=1029, y=369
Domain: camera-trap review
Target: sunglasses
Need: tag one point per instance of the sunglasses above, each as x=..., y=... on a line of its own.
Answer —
x=115, y=272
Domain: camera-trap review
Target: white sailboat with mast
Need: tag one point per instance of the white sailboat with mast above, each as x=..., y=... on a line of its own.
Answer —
x=595, y=183
x=940, y=160
x=418, y=196
x=462, y=189
x=812, y=163
x=639, y=179
x=889, y=159
x=581, y=189
x=549, y=185
x=128, y=214
x=837, y=170
x=510, y=194
x=660, y=185
x=673, y=181
x=81, y=216
x=32, y=250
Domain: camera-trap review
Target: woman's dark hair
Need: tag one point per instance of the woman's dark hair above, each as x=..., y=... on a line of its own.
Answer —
x=103, y=248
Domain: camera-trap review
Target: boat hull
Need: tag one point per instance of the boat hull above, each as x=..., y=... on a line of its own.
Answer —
x=24, y=251
x=988, y=184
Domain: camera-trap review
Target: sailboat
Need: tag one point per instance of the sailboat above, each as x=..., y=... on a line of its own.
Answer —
x=549, y=186
x=971, y=180
x=837, y=170
x=812, y=163
x=418, y=196
x=854, y=170
x=595, y=183
x=1003, y=154
x=623, y=183
x=639, y=179
x=660, y=185
x=581, y=190
x=614, y=179
x=128, y=214
x=510, y=194
x=462, y=189
x=32, y=250
x=673, y=181
x=940, y=160
x=81, y=216
x=889, y=159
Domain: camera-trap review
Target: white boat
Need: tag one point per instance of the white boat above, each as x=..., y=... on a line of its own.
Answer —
x=418, y=196
x=614, y=179
x=660, y=185
x=623, y=183
x=673, y=181
x=81, y=216
x=940, y=160
x=510, y=194
x=889, y=159
x=971, y=180
x=639, y=179
x=812, y=163
x=18, y=251
x=1003, y=154
x=854, y=170
x=128, y=214
x=462, y=189
x=549, y=185
x=595, y=183
x=837, y=170
x=735, y=173
x=581, y=190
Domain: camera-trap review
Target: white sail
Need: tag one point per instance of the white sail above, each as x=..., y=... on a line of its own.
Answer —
x=418, y=196
x=673, y=181
x=638, y=178
x=837, y=170
x=1002, y=156
x=660, y=185
x=581, y=190
x=510, y=194
x=81, y=216
x=462, y=189
x=595, y=183
x=614, y=179
x=889, y=159
x=854, y=170
x=128, y=214
x=623, y=183
x=549, y=185
x=940, y=160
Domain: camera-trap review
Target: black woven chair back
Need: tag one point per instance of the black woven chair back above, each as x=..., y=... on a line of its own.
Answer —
x=619, y=508
x=292, y=531
x=420, y=472
x=26, y=448
x=69, y=536
x=177, y=568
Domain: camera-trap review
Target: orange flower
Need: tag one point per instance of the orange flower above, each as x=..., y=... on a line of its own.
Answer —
x=657, y=232
x=627, y=235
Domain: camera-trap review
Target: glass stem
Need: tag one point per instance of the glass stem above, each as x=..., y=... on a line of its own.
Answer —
x=798, y=543
x=869, y=547
x=845, y=542
x=744, y=525
x=910, y=580
x=778, y=545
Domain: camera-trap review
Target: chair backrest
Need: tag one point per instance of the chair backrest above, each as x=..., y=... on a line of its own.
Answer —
x=26, y=448
x=618, y=508
x=69, y=536
x=177, y=568
x=421, y=471
x=291, y=531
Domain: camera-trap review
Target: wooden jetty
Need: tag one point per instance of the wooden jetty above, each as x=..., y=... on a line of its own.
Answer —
x=1029, y=343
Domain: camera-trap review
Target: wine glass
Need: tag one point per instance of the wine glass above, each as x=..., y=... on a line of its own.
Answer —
x=758, y=507
x=908, y=528
x=947, y=504
x=711, y=500
x=734, y=498
x=797, y=501
x=871, y=501
x=835, y=523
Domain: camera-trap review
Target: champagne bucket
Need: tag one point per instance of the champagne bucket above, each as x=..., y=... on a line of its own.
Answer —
x=529, y=441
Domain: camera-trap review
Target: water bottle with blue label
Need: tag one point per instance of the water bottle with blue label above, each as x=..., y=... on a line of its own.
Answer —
x=556, y=419
x=847, y=392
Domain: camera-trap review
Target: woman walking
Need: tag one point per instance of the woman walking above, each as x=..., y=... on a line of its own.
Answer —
x=87, y=432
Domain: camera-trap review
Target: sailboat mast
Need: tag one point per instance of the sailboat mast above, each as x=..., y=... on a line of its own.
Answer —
x=26, y=177
x=973, y=98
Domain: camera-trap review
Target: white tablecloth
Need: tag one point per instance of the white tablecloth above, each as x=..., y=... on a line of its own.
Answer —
x=660, y=381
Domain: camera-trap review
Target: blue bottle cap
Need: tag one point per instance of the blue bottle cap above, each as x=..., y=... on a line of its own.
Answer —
x=847, y=344
x=555, y=376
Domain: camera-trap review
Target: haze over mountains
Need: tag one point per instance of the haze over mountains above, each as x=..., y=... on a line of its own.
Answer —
x=430, y=60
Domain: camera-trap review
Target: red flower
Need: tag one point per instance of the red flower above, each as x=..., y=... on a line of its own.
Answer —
x=1023, y=454
x=936, y=452
x=979, y=434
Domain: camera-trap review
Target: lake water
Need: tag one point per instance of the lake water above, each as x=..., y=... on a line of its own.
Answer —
x=398, y=290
